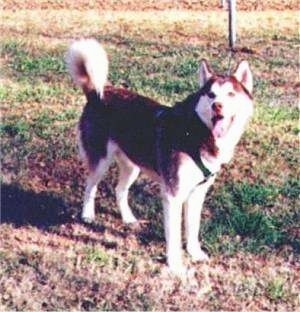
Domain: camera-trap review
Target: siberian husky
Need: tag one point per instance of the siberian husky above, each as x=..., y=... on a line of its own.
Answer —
x=183, y=147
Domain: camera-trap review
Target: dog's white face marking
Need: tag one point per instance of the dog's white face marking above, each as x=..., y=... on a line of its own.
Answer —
x=225, y=106
x=225, y=99
x=221, y=106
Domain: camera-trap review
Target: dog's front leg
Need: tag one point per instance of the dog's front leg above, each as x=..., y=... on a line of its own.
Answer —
x=192, y=211
x=172, y=221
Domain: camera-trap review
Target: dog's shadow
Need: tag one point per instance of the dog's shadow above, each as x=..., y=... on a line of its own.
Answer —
x=147, y=206
x=45, y=210
x=22, y=207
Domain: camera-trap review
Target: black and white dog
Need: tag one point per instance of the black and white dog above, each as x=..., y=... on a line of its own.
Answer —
x=182, y=147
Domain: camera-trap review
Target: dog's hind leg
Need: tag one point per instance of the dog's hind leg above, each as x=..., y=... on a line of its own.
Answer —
x=94, y=177
x=127, y=175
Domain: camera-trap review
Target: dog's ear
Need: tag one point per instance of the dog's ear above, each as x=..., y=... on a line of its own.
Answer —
x=205, y=73
x=244, y=76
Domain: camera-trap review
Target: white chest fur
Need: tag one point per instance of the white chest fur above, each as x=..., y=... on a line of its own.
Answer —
x=189, y=175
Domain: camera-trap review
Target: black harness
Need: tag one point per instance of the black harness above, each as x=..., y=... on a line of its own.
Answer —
x=206, y=172
x=160, y=116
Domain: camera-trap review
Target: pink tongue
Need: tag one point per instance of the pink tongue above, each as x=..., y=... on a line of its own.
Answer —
x=220, y=129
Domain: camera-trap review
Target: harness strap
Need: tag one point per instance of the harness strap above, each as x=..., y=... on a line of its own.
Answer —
x=206, y=172
x=197, y=159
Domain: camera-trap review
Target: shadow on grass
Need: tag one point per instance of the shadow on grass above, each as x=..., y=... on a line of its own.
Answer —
x=47, y=211
x=148, y=206
x=21, y=207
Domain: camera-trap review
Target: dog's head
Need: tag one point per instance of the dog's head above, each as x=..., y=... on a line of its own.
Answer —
x=225, y=102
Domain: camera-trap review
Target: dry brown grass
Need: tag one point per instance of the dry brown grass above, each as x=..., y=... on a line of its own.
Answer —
x=130, y=5
x=64, y=24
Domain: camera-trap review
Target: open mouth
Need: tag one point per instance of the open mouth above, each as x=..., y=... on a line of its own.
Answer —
x=216, y=118
x=221, y=125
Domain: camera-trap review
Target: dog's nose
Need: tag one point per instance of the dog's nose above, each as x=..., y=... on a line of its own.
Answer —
x=217, y=107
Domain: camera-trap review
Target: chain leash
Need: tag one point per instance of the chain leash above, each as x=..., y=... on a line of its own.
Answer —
x=230, y=58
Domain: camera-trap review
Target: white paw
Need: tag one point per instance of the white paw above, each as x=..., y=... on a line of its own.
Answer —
x=179, y=270
x=176, y=266
x=87, y=218
x=129, y=220
x=128, y=217
x=197, y=254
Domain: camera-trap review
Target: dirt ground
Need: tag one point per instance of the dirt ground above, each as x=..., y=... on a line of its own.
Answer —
x=128, y=5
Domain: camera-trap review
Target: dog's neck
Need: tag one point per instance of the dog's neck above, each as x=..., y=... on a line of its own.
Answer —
x=188, y=133
x=226, y=146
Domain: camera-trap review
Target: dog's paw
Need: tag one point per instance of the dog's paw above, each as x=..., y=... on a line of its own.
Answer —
x=128, y=217
x=178, y=270
x=87, y=219
x=197, y=254
x=130, y=220
x=186, y=276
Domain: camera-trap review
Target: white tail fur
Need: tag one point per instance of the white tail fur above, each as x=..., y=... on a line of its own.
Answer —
x=88, y=65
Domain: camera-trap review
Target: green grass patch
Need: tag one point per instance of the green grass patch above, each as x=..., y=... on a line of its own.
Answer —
x=97, y=256
x=19, y=128
x=291, y=189
x=3, y=93
x=12, y=48
x=157, y=75
x=274, y=115
x=245, y=195
x=242, y=218
x=47, y=122
x=26, y=63
x=27, y=92
x=142, y=198
x=275, y=289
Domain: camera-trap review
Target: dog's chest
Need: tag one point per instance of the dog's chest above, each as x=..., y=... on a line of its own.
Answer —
x=189, y=174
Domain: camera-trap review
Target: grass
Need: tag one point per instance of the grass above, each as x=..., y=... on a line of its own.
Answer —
x=50, y=261
x=276, y=289
x=246, y=215
x=97, y=256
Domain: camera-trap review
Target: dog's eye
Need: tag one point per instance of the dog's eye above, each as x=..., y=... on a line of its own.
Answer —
x=231, y=94
x=211, y=95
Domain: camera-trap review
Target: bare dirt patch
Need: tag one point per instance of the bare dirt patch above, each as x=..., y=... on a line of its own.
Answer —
x=134, y=5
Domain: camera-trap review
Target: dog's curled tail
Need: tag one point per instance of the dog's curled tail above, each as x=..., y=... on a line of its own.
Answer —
x=88, y=65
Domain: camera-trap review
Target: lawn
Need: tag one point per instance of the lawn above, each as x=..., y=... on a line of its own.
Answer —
x=49, y=260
